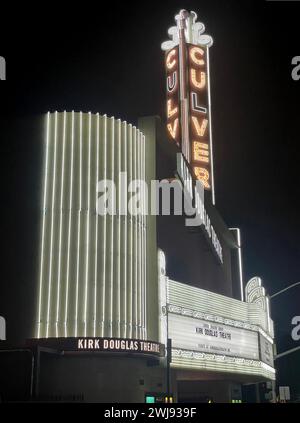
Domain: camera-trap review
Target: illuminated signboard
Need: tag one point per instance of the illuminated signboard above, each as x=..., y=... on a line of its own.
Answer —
x=199, y=116
x=266, y=351
x=188, y=94
x=102, y=345
x=213, y=332
x=173, y=106
x=194, y=334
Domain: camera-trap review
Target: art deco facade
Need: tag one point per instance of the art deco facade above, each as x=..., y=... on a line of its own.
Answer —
x=93, y=268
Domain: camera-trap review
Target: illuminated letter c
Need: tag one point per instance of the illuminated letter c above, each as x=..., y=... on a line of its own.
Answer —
x=169, y=62
x=194, y=51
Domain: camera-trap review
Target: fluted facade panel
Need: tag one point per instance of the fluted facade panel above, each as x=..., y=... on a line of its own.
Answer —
x=92, y=279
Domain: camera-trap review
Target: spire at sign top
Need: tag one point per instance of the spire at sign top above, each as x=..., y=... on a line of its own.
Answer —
x=193, y=31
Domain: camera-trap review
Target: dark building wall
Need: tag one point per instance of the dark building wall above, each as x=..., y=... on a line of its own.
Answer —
x=98, y=378
x=190, y=258
x=15, y=374
x=201, y=392
x=21, y=205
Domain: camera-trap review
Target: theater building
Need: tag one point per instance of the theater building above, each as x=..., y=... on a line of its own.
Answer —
x=131, y=304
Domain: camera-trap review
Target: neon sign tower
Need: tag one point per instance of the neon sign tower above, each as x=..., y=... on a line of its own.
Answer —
x=188, y=95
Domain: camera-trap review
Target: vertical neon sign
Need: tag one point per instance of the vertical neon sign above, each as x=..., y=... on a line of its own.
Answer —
x=188, y=95
x=173, y=109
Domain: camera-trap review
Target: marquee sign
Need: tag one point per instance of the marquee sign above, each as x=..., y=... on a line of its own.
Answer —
x=101, y=345
x=266, y=350
x=194, y=334
x=188, y=95
x=213, y=332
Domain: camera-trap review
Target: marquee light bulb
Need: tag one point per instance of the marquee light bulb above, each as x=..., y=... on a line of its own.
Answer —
x=171, y=112
x=198, y=83
x=200, y=129
x=169, y=62
x=196, y=51
x=201, y=154
x=172, y=83
x=173, y=129
x=203, y=175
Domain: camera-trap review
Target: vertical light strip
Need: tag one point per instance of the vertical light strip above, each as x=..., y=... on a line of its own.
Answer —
x=138, y=250
x=145, y=238
x=96, y=231
x=60, y=224
x=181, y=22
x=131, y=239
x=87, y=227
x=135, y=240
x=141, y=281
x=140, y=299
x=79, y=224
x=125, y=235
x=52, y=224
x=268, y=315
x=119, y=228
x=142, y=239
x=104, y=228
x=143, y=235
x=69, y=228
x=210, y=132
x=238, y=232
x=240, y=263
x=43, y=228
x=112, y=230
x=241, y=266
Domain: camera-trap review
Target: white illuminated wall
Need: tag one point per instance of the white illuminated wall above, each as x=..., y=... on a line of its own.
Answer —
x=92, y=279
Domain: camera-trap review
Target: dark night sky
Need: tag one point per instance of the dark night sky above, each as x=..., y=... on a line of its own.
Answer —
x=108, y=60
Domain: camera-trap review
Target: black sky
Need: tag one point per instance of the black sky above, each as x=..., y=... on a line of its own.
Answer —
x=107, y=59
